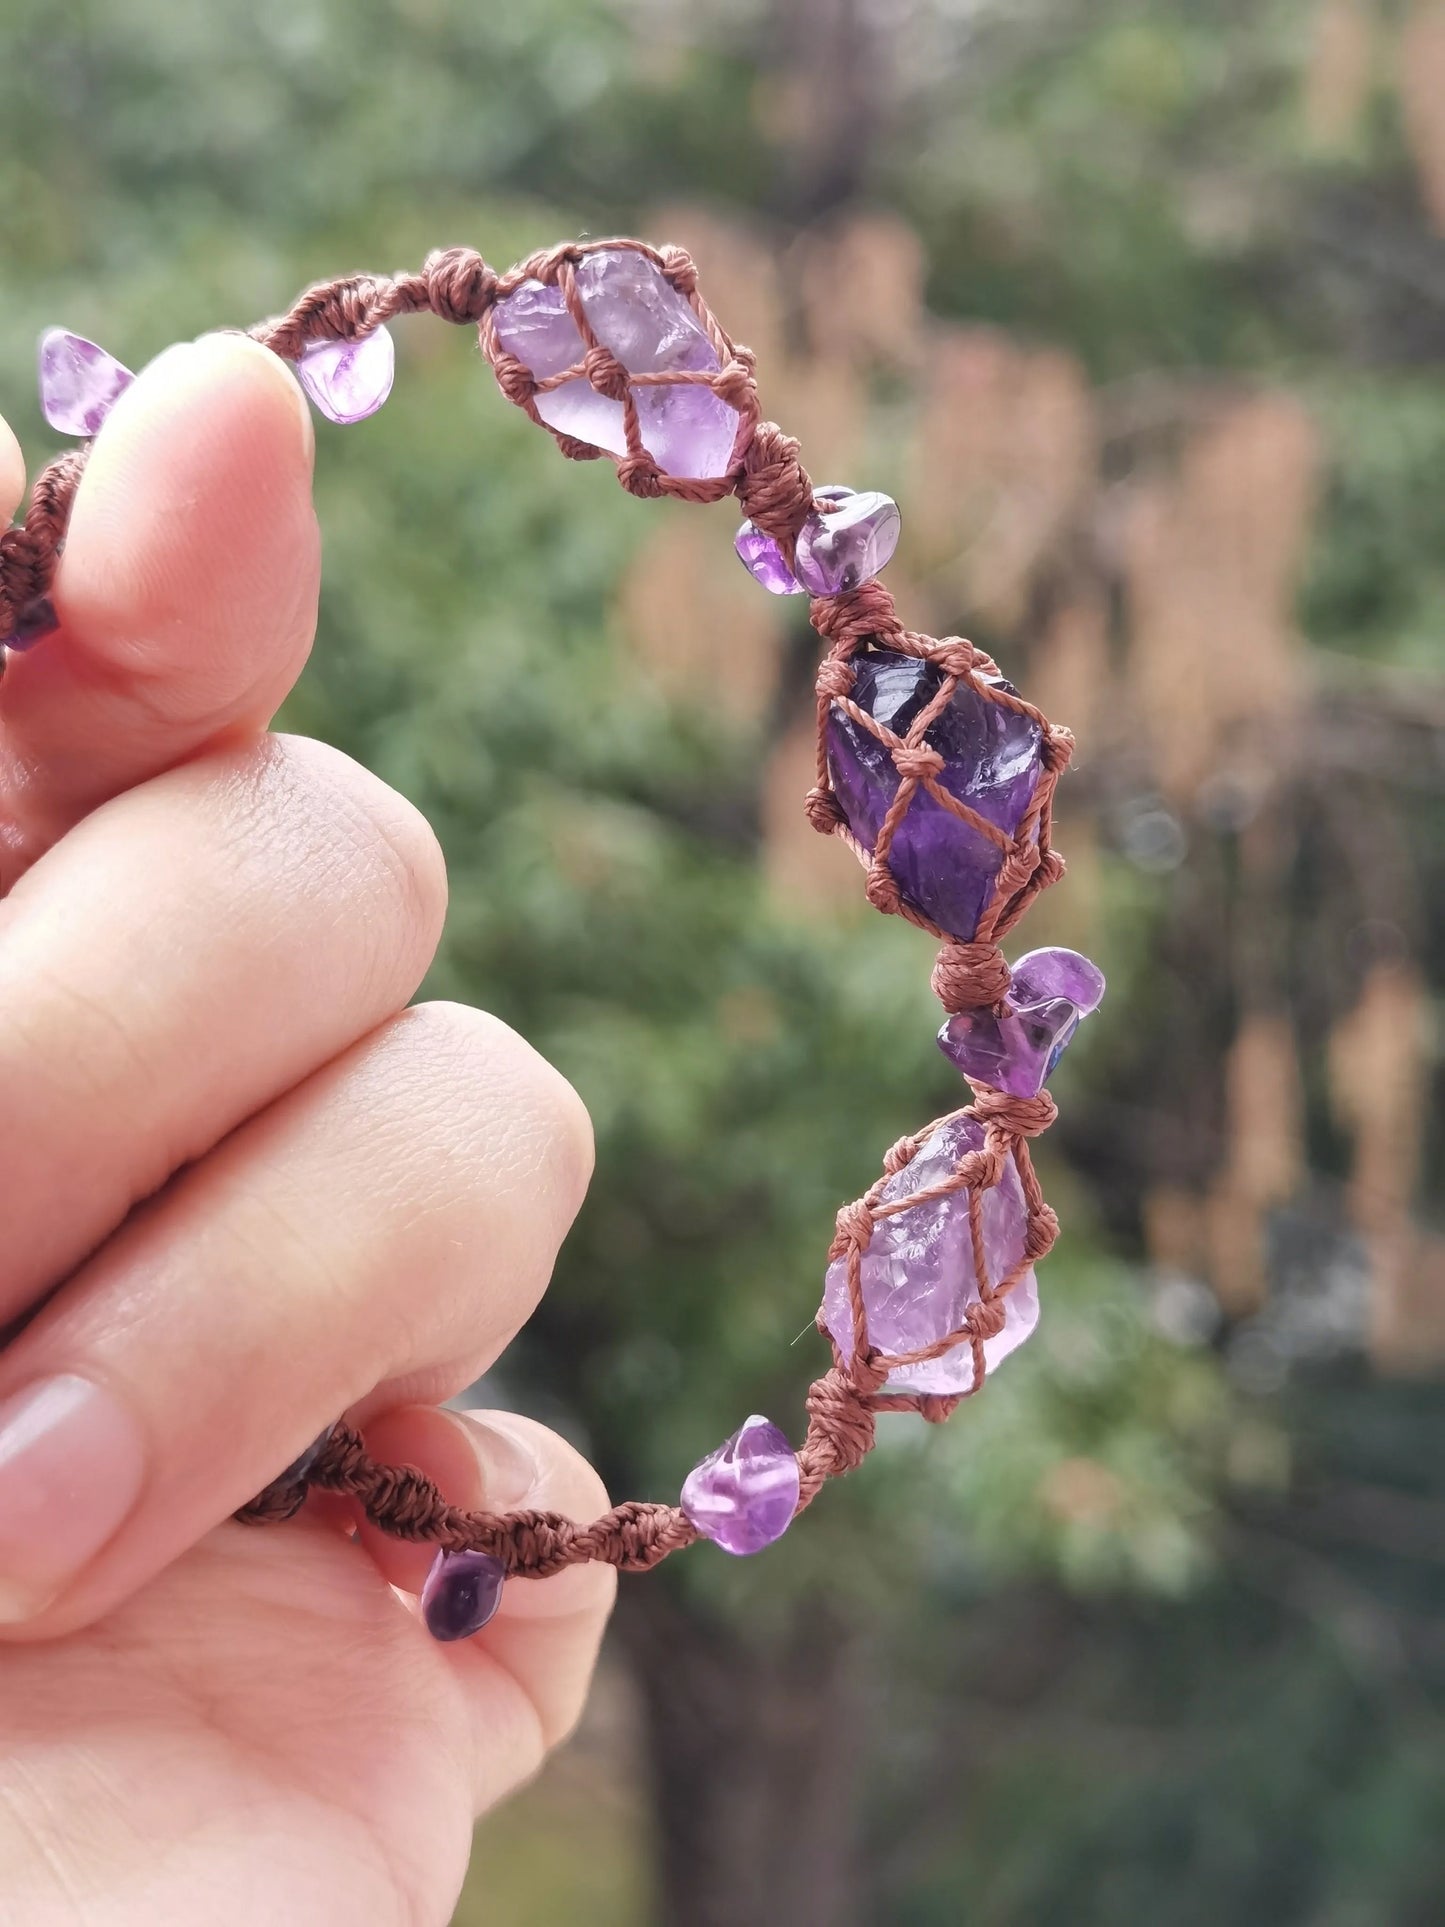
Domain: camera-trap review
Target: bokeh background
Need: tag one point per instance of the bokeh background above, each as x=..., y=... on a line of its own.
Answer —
x=1139, y=309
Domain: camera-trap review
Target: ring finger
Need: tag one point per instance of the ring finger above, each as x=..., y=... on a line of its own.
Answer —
x=393, y=1218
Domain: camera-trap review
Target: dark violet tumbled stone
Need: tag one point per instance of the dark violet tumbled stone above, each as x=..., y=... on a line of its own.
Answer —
x=918, y=1274
x=942, y=865
x=79, y=382
x=744, y=1495
x=1016, y=1050
x=462, y=1592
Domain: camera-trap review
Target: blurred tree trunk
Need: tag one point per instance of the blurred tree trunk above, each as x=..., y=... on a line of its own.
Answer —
x=753, y=1754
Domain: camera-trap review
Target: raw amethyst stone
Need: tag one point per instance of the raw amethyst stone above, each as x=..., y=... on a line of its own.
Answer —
x=79, y=382
x=32, y=625
x=918, y=1273
x=848, y=546
x=1016, y=1051
x=637, y=314
x=763, y=558
x=349, y=380
x=744, y=1495
x=462, y=1592
x=943, y=866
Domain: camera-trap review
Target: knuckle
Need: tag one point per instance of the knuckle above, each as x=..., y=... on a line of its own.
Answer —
x=386, y=852
x=495, y=1071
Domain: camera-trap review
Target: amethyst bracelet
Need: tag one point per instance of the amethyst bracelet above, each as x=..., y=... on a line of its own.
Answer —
x=931, y=767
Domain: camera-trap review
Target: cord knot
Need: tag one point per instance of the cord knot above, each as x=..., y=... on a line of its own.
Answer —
x=917, y=761
x=970, y=976
x=823, y=810
x=606, y=373
x=460, y=287
x=1015, y=1116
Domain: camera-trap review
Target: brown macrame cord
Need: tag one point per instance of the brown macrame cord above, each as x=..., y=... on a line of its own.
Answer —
x=775, y=492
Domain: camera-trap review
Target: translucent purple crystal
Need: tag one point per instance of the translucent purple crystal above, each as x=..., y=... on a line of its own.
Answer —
x=637, y=314
x=744, y=1495
x=991, y=753
x=462, y=1592
x=763, y=558
x=349, y=380
x=32, y=625
x=918, y=1273
x=849, y=545
x=79, y=382
x=1016, y=1051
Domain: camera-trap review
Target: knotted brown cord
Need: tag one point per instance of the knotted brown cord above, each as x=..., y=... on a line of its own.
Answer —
x=775, y=492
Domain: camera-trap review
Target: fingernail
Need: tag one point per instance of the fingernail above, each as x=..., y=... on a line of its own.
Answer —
x=511, y=1470
x=72, y=1461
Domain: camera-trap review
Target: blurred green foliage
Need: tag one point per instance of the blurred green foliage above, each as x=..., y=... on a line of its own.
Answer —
x=1114, y=1687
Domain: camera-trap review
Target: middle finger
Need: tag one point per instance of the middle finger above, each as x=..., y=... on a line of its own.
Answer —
x=186, y=954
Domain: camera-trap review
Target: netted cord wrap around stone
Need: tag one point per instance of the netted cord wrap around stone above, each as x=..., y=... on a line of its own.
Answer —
x=775, y=492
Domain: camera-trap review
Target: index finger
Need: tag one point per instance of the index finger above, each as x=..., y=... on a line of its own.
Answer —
x=186, y=593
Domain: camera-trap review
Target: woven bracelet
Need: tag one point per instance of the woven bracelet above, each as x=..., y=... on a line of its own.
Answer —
x=931, y=767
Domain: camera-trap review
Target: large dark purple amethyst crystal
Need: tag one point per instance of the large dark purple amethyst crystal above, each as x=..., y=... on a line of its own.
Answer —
x=943, y=866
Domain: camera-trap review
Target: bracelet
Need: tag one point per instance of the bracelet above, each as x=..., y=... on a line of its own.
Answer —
x=931, y=767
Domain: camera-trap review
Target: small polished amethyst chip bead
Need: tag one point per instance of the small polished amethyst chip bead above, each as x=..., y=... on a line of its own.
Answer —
x=743, y=1495
x=1015, y=1049
x=79, y=382
x=763, y=558
x=348, y=380
x=848, y=546
x=462, y=1592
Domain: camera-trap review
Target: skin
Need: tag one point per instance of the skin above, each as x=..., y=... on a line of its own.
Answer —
x=245, y=1188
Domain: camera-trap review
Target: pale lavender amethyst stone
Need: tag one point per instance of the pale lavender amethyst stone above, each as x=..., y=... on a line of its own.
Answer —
x=1050, y=993
x=349, y=380
x=744, y=1495
x=79, y=382
x=636, y=314
x=918, y=1273
x=763, y=558
x=33, y=624
x=991, y=753
x=462, y=1592
x=848, y=546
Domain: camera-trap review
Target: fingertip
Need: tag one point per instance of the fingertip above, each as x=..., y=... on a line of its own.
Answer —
x=497, y=1462
x=192, y=560
x=12, y=472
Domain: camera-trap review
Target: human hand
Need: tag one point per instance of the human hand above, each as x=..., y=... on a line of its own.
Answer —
x=243, y=1190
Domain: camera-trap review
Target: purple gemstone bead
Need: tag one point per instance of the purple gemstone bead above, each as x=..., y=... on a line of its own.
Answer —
x=79, y=382
x=744, y=1495
x=918, y=1274
x=462, y=1592
x=1051, y=991
x=763, y=558
x=33, y=625
x=641, y=318
x=848, y=546
x=349, y=380
x=992, y=760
